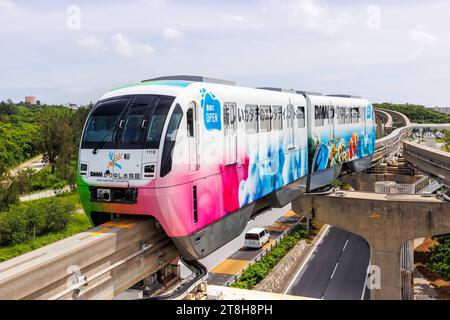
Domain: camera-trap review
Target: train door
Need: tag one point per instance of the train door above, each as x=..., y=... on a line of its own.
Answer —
x=230, y=121
x=363, y=115
x=291, y=127
x=365, y=140
x=193, y=137
x=331, y=120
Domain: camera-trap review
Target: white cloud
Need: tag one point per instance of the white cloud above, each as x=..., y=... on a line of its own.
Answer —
x=9, y=8
x=315, y=16
x=6, y=5
x=172, y=34
x=422, y=39
x=420, y=36
x=125, y=48
x=308, y=15
x=235, y=17
x=91, y=42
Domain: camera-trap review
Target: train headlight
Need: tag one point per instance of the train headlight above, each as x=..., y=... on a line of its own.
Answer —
x=149, y=170
x=83, y=169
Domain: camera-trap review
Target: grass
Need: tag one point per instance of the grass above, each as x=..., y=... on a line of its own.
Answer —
x=78, y=223
x=446, y=148
x=261, y=269
x=72, y=197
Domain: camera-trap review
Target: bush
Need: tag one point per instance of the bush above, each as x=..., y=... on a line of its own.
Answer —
x=44, y=179
x=440, y=257
x=36, y=218
x=78, y=223
x=257, y=272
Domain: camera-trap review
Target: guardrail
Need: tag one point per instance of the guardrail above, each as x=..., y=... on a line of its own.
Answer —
x=263, y=253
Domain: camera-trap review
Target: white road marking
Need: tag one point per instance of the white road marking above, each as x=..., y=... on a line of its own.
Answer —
x=365, y=282
x=307, y=259
x=334, y=271
x=345, y=246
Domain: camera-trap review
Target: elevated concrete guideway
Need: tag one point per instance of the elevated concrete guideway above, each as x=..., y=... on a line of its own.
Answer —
x=428, y=160
x=386, y=222
x=432, y=162
x=96, y=264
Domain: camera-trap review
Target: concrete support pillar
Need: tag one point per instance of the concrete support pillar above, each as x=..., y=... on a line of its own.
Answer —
x=390, y=276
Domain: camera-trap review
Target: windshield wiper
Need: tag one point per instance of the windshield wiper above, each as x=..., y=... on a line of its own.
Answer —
x=100, y=144
x=104, y=139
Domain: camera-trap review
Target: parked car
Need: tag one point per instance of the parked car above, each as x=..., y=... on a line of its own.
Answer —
x=256, y=238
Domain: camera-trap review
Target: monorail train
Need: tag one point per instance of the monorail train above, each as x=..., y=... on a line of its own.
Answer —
x=200, y=154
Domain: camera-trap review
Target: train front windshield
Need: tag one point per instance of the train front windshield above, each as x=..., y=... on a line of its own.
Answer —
x=127, y=122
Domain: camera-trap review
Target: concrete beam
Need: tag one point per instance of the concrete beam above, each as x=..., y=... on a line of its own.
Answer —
x=386, y=222
x=104, y=255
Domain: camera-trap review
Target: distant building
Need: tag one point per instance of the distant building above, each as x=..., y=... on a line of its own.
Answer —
x=429, y=140
x=72, y=106
x=30, y=100
x=445, y=110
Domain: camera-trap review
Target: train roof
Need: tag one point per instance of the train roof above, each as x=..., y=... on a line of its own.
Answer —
x=193, y=79
x=173, y=85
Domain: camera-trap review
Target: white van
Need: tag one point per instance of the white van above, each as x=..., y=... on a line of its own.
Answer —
x=256, y=238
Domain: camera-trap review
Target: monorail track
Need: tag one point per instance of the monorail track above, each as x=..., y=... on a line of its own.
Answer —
x=96, y=264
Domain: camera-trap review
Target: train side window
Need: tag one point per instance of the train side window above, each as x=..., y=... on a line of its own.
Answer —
x=169, y=141
x=277, y=118
x=331, y=115
x=341, y=115
x=190, y=120
x=348, y=115
x=265, y=115
x=251, y=119
x=319, y=118
x=355, y=115
x=301, y=117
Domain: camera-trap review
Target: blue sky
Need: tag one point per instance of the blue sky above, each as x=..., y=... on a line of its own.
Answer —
x=384, y=50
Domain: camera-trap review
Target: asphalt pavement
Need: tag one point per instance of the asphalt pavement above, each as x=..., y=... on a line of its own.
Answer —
x=336, y=269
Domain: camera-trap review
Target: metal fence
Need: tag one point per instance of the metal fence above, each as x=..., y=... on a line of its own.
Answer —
x=46, y=194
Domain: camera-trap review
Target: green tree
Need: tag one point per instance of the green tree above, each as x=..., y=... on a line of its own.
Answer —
x=440, y=256
x=56, y=138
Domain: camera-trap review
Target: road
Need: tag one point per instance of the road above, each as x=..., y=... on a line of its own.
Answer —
x=336, y=269
x=263, y=220
x=36, y=163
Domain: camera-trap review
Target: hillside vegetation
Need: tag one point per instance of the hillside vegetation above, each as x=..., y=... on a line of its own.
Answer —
x=416, y=113
x=27, y=131
x=53, y=132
